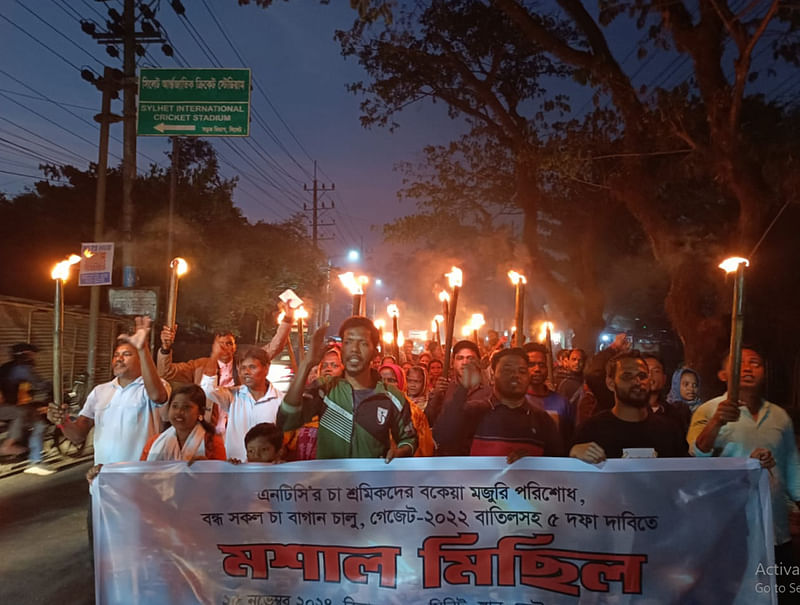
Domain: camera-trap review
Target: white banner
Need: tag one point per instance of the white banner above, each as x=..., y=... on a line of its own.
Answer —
x=438, y=531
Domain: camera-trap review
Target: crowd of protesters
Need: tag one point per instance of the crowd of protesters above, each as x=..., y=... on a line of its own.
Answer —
x=348, y=400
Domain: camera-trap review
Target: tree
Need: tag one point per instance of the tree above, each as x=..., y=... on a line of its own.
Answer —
x=237, y=268
x=498, y=63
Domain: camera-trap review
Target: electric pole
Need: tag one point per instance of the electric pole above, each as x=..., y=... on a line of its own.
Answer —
x=121, y=29
x=316, y=189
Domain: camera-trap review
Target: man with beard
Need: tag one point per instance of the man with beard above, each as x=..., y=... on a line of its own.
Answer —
x=245, y=405
x=628, y=425
x=502, y=424
x=359, y=416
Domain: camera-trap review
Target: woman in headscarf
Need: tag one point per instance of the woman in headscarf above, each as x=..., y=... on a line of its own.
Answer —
x=392, y=374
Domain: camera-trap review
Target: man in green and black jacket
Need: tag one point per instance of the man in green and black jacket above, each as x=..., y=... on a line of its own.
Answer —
x=359, y=417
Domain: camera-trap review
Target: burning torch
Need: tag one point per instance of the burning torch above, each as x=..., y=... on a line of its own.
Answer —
x=436, y=325
x=519, y=282
x=353, y=286
x=736, y=265
x=300, y=314
x=476, y=323
x=394, y=313
x=178, y=267
x=60, y=274
x=454, y=279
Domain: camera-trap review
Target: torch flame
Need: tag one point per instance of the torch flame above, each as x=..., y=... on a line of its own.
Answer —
x=543, y=330
x=392, y=310
x=88, y=253
x=443, y=296
x=516, y=277
x=466, y=330
x=380, y=324
x=350, y=282
x=454, y=277
x=180, y=265
x=61, y=270
x=477, y=321
x=388, y=337
x=300, y=313
x=400, y=339
x=363, y=280
x=437, y=320
x=730, y=265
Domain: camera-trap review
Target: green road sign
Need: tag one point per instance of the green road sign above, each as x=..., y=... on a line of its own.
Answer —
x=194, y=102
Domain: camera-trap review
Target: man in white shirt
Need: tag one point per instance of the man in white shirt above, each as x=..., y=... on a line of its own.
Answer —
x=246, y=405
x=125, y=412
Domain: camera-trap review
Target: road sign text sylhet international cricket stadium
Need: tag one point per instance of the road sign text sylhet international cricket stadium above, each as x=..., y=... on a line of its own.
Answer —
x=194, y=102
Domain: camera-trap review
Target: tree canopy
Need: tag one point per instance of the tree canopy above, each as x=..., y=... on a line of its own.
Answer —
x=237, y=268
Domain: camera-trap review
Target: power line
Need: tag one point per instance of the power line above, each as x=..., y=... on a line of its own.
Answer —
x=56, y=53
x=51, y=142
x=60, y=33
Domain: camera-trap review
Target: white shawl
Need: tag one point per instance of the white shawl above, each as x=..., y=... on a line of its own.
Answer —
x=166, y=446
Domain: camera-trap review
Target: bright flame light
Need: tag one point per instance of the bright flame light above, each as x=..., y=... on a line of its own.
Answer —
x=61, y=270
x=180, y=265
x=300, y=313
x=400, y=339
x=363, y=280
x=466, y=330
x=393, y=311
x=388, y=338
x=454, y=278
x=516, y=277
x=543, y=330
x=730, y=265
x=88, y=253
x=477, y=321
x=443, y=296
x=281, y=315
x=437, y=319
x=350, y=282
x=380, y=324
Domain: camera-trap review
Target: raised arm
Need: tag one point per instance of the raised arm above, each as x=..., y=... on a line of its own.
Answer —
x=155, y=388
x=281, y=337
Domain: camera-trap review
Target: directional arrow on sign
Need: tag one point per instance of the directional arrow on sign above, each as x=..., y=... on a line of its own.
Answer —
x=174, y=127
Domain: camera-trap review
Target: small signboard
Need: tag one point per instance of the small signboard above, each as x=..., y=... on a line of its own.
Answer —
x=194, y=102
x=134, y=301
x=97, y=261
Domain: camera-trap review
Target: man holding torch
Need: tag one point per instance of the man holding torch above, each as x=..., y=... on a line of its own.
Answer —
x=359, y=416
x=756, y=428
x=466, y=358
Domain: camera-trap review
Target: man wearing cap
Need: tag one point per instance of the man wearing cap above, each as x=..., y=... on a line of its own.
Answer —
x=463, y=387
x=20, y=387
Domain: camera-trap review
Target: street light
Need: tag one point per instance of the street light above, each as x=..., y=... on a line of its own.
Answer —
x=353, y=255
x=60, y=274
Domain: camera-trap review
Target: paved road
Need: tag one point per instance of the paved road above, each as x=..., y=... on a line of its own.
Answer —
x=44, y=550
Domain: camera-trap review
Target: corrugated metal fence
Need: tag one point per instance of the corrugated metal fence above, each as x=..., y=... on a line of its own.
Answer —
x=31, y=321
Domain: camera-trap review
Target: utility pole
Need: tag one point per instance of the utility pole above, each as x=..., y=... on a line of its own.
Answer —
x=316, y=189
x=109, y=84
x=121, y=29
x=322, y=312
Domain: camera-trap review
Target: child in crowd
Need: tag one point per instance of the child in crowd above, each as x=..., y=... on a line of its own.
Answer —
x=685, y=388
x=264, y=443
x=189, y=437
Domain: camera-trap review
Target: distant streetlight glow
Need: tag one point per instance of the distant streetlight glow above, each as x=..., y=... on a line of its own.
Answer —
x=353, y=255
